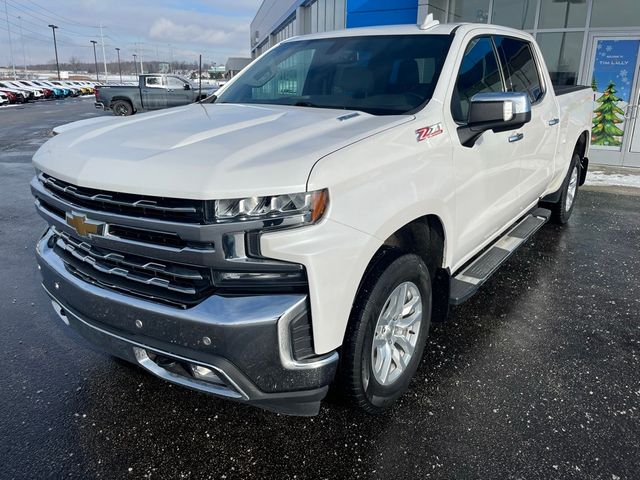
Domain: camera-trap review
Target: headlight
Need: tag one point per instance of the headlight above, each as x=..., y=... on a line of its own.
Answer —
x=309, y=205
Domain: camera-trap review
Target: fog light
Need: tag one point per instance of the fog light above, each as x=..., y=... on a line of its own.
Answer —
x=204, y=373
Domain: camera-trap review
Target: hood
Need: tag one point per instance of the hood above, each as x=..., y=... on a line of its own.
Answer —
x=201, y=152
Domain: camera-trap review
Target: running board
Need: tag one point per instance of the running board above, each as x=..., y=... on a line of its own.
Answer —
x=467, y=282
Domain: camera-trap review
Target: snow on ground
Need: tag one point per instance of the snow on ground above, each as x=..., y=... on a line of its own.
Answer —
x=599, y=179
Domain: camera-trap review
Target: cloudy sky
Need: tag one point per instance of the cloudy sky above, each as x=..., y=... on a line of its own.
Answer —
x=216, y=29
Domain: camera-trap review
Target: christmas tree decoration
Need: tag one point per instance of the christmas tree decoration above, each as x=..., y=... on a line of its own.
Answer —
x=606, y=117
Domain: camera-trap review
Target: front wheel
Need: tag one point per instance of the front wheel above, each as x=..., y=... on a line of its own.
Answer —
x=387, y=332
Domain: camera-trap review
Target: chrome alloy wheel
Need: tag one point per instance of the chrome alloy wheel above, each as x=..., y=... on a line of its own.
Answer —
x=396, y=333
x=571, y=189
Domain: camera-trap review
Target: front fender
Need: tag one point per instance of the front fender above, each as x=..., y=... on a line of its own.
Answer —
x=384, y=182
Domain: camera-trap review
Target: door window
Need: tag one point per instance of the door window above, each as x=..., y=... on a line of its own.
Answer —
x=479, y=73
x=521, y=72
x=153, y=82
x=175, y=83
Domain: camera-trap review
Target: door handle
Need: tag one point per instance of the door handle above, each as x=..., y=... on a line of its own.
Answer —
x=516, y=137
x=169, y=90
x=554, y=121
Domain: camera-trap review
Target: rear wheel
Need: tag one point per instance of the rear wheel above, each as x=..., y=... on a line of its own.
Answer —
x=387, y=332
x=122, y=108
x=562, y=209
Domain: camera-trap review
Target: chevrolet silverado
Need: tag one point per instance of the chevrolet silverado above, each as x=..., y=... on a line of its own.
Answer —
x=305, y=226
x=153, y=92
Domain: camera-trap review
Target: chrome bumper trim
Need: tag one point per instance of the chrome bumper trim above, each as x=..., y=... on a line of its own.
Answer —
x=152, y=367
x=286, y=348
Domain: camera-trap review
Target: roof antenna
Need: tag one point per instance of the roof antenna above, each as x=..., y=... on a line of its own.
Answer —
x=429, y=22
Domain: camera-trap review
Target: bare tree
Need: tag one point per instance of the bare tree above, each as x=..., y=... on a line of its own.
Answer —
x=75, y=63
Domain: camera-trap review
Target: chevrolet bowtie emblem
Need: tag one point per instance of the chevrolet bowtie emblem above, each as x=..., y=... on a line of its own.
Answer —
x=83, y=226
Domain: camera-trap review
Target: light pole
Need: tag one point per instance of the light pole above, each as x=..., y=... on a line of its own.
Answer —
x=13, y=64
x=55, y=46
x=135, y=64
x=24, y=55
x=119, y=69
x=95, y=59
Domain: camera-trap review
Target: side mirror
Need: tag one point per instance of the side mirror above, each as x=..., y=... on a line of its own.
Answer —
x=187, y=87
x=497, y=111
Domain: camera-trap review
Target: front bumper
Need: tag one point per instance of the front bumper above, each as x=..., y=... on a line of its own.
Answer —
x=243, y=339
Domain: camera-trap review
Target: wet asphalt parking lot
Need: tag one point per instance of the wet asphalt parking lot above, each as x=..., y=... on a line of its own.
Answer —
x=536, y=377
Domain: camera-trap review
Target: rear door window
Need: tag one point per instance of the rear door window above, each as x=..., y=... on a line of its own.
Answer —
x=520, y=69
x=154, y=82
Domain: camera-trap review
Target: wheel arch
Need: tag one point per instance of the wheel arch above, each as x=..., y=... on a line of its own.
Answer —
x=581, y=148
x=121, y=98
x=424, y=236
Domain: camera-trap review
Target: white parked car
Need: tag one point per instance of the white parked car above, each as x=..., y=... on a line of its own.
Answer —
x=37, y=92
x=310, y=223
x=4, y=100
x=24, y=92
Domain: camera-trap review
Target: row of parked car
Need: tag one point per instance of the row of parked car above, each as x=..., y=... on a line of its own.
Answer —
x=22, y=91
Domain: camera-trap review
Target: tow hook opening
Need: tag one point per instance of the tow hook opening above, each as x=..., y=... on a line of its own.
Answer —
x=178, y=367
x=61, y=312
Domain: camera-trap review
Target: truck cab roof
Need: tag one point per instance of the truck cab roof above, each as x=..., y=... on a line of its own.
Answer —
x=433, y=29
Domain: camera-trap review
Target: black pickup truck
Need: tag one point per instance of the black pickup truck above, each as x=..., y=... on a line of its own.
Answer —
x=153, y=92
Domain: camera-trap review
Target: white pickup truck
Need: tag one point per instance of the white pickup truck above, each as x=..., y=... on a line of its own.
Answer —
x=307, y=225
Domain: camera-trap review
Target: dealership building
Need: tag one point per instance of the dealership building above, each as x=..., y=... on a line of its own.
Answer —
x=587, y=42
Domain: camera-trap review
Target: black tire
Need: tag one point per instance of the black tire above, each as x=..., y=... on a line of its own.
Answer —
x=356, y=377
x=122, y=108
x=561, y=210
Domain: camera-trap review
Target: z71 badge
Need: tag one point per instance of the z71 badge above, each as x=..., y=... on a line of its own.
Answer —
x=429, y=132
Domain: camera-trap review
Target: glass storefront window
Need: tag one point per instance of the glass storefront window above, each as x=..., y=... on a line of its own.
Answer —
x=469, y=11
x=340, y=9
x=314, y=17
x=562, y=52
x=519, y=14
x=615, y=13
x=563, y=14
x=439, y=10
x=321, y=15
x=329, y=15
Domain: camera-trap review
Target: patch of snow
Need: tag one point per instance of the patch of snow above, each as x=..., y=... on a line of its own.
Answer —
x=597, y=178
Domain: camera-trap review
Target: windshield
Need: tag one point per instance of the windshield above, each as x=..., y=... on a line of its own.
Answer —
x=381, y=75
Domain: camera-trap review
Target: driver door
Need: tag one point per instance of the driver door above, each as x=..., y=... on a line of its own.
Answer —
x=179, y=92
x=487, y=175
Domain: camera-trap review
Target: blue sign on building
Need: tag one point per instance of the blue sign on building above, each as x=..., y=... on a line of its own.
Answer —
x=366, y=13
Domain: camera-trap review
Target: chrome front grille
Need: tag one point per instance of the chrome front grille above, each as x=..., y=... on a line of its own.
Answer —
x=144, y=251
x=175, y=284
x=171, y=209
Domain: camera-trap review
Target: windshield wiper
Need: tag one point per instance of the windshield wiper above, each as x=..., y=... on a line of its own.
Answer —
x=306, y=104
